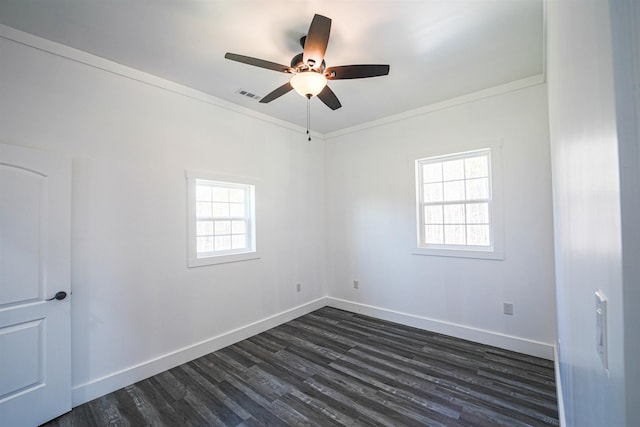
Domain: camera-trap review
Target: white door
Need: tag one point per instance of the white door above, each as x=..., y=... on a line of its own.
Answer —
x=35, y=334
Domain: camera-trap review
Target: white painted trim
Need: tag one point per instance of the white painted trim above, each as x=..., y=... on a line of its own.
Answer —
x=88, y=391
x=111, y=67
x=556, y=365
x=508, y=342
x=471, y=97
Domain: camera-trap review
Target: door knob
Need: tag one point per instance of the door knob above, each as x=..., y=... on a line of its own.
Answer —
x=58, y=296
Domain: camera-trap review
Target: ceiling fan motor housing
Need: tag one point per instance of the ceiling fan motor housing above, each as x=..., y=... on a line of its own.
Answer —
x=298, y=64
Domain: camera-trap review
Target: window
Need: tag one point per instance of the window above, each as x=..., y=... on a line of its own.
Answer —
x=455, y=204
x=221, y=219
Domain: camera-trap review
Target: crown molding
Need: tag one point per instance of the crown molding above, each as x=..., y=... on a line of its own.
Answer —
x=470, y=97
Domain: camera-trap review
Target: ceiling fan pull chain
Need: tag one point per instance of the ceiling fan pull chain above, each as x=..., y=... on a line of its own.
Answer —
x=308, y=117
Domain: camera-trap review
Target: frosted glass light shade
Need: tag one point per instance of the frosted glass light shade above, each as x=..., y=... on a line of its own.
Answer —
x=308, y=83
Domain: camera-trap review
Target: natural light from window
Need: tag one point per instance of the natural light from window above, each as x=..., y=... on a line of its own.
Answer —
x=454, y=201
x=221, y=220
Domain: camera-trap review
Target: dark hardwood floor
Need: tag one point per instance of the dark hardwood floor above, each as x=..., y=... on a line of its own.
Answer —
x=332, y=367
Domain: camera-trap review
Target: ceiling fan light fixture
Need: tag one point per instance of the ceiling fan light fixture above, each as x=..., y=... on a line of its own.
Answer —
x=308, y=83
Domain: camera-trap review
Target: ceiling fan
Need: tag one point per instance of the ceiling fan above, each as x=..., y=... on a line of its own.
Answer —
x=309, y=70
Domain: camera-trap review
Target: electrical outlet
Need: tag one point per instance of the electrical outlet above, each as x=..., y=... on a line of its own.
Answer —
x=298, y=287
x=508, y=308
x=356, y=284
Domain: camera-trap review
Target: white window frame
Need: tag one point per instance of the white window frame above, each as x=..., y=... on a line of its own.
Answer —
x=220, y=257
x=495, y=250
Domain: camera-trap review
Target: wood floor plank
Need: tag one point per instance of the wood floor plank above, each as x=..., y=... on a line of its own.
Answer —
x=230, y=407
x=201, y=395
x=256, y=406
x=127, y=407
x=336, y=368
x=315, y=411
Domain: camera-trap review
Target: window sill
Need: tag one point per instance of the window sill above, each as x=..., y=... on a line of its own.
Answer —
x=222, y=259
x=460, y=253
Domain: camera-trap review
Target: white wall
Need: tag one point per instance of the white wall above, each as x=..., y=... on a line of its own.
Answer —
x=371, y=228
x=134, y=299
x=596, y=165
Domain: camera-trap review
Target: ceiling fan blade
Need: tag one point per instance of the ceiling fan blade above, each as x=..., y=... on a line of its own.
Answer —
x=329, y=98
x=258, y=62
x=277, y=93
x=316, y=42
x=356, y=71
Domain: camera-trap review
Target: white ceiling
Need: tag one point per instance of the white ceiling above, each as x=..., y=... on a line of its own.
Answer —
x=437, y=49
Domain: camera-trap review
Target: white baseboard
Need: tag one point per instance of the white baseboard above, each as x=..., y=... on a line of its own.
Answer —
x=88, y=391
x=521, y=345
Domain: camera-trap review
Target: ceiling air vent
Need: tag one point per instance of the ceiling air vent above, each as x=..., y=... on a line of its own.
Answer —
x=248, y=94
